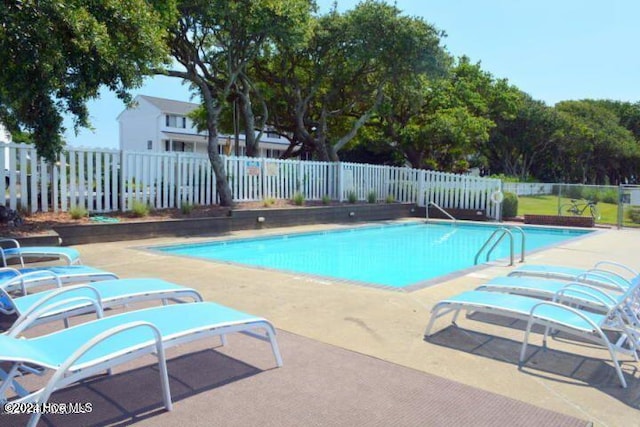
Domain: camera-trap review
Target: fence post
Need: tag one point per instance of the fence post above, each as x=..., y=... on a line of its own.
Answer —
x=123, y=184
x=340, y=183
x=421, y=188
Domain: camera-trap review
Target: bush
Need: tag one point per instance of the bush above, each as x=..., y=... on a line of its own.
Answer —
x=187, y=208
x=390, y=199
x=298, y=199
x=78, y=212
x=634, y=214
x=326, y=200
x=269, y=201
x=509, y=205
x=352, y=197
x=372, y=197
x=139, y=209
x=572, y=191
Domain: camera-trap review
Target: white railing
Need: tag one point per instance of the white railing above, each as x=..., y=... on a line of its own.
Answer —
x=111, y=180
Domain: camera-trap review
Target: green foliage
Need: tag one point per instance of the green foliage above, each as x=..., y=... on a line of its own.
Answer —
x=186, y=208
x=139, y=209
x=633, y=213
x=509, y=205
x=57, y=55
x=352, y=197
x=572, y=191
x=78, y=212
x=326, y=200
x=268, y=202
x=372, y=197
x=390, y=199
x=298, y=199
x=342, y=74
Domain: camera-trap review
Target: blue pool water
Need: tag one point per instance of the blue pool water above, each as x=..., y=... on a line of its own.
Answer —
x=389, y=255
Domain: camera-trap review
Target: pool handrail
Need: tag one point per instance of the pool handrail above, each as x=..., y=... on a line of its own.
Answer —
x=505, y=231
x=434, y=204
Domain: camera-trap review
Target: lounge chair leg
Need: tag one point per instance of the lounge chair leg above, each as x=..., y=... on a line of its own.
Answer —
x=616, y=364
x=274, y=346
x=164, y=376
x=525, y=341
x=223, y=340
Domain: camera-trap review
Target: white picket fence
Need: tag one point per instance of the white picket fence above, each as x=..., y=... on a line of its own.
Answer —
x=111, y=180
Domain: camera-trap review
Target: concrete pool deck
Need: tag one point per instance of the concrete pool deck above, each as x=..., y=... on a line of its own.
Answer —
x=389, y=325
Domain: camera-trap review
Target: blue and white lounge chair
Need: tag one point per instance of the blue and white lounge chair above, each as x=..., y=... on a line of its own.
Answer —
x=82, y=351
x=70, y=301
x=576, y=293
x=603, y=273
x=551, y=315
x=11, y=249
x=12, y=279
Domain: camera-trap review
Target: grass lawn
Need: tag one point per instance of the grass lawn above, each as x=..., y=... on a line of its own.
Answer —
x=548, y=205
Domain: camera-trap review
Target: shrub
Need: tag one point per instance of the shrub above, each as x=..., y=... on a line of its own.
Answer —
x=78, y=212
x=572, y=191
x=352, y=197
x=139, y=209
x=372, y=197
x=390, y=199
x=298, y=199
x=187, y=208
x=634, y=214
x=269, y=201
x=326, y=200
x=509, y=205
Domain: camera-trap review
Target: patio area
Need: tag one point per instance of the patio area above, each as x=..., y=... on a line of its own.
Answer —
x=355, y=355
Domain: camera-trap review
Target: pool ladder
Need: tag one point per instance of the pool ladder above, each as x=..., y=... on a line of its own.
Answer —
x=496, y=237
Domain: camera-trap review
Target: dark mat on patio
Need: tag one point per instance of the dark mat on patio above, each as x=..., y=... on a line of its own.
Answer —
x=319, y=385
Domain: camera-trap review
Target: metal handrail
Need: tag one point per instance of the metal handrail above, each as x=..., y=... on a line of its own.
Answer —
x=441, y=210
x=524, y=238
x=505, y=232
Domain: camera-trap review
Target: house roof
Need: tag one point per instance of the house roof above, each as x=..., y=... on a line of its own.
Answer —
x=170, y=106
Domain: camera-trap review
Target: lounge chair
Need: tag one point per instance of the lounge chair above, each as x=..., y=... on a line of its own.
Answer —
x=603, y=273
x=551, y=315
x=12, y=279
x=81, y=351
x=577, y=293
x=70, y=301
x=11, y=249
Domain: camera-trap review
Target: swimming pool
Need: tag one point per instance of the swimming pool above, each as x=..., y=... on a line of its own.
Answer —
x=395, y=255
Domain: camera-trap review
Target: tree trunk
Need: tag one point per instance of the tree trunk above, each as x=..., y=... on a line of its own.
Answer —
x=222, y=185
x=250, y=140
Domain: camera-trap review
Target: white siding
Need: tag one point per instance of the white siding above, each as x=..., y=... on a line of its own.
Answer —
x=137, y=126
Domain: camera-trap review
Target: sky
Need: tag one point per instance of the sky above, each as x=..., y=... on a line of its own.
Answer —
x=554, y=50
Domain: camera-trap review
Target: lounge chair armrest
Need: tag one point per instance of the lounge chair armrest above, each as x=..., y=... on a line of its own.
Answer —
x=611, y=278
x=617, y=265
x=14, y=241
x=532, y=317
x=61, y=374
x=42, y=307
x=11, y=269
x=586, y=289
x=23, y=279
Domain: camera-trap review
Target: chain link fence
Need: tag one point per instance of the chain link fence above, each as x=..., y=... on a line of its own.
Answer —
x=610, y=205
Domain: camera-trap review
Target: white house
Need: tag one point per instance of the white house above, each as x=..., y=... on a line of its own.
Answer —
x=160, y=125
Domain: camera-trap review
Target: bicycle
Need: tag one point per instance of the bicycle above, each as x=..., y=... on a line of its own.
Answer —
x=577, y=208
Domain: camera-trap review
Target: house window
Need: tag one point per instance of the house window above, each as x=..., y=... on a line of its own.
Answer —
x=175, y=121
x=149, y=145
